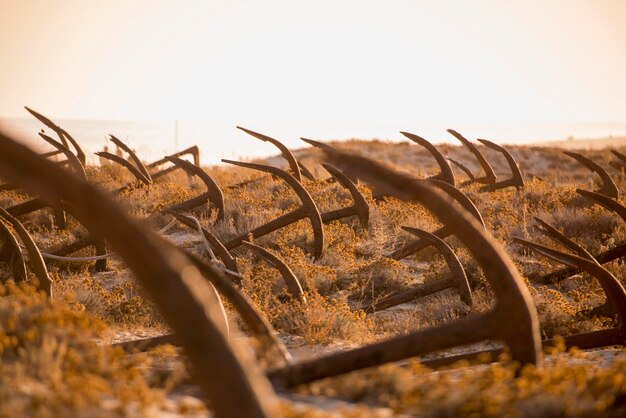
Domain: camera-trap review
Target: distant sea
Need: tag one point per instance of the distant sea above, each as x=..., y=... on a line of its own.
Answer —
x=154, y=139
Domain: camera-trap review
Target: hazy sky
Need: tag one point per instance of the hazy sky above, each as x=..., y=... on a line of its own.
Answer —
x=326, y=61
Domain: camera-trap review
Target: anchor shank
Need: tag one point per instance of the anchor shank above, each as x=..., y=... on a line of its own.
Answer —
x=271, y=226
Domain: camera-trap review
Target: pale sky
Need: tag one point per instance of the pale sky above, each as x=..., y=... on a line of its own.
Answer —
x=316, y=61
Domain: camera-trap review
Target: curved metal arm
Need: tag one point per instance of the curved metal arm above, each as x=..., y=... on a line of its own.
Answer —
x=215, y=243
x=213, y=190
x=609, y=187
x=12, y=254
x=513, y=305
x=138, y=163
x=557, y=236
x=308, y=209
x=455, y=266
x=177, y=288
x=465, y=169
x=290, y=279
x=76, y=164
x=619, y=155
x=604, y=201
x=516, y=179
x=445, y=171
x=490, y=175
x=126, y=164
x=460, y=197
x=34, y=255
x=360, y=207
x=287, y=155
x=305, y=171
x=61, y=133
x=193, y=150
x=612, y=287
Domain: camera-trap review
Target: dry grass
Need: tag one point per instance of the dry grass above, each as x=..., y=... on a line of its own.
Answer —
x=49, y=348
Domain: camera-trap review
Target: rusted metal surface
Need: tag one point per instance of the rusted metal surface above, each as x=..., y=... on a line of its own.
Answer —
x=559, y=237
x=213, y=194
x=216, y=244
x=466, y=170
x=445, y=171
x=621, y=157
x=61, y=133
x=513, y=302
x=287, y=155
x=176, y=286
x=57, y=206
x=609, y=188
x=272, y=349
x=604, y=201
x=359, y=208
x=133, y=156
x=10, y=253
x=308, y=209
x=615, y=293
x=306, y=172
x=126, y=164
x=290, y=279
x=516, y=179
x=490, y=176
x=34, y=255
x=445, y=231
x=604, y=257
x=72, y=159
x=458, y=278
x=194, y=151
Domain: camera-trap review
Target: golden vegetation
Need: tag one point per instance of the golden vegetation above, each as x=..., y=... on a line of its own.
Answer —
x=56, y=360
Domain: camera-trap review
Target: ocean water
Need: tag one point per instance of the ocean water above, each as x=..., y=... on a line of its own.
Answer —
x=155, y=139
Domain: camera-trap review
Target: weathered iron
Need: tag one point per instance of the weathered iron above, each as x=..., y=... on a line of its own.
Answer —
x=272, y=349
x=490, y=176
x=445, y=171
x=513, y=302
x=176, y=286
x=294, y=167
x=609, y=188
x=604, y=257
x=213, y=192
x=604, y=201
x=34, y=255
x=583, y=261
x=516, y=180
x=457, y=279
x=306, y=172
x=290, y=279
x=13, y=186
x=615, y=293
x=466, y=170
x=359, y=208
x=194, y=151
x=61, y=133
x=11, y=254
x=308, y=209
x=445, y=231
x=620, y=164
x=216, y=245
x=72, y=159
x=133, y=156
x=141, y=177
x=57, y=207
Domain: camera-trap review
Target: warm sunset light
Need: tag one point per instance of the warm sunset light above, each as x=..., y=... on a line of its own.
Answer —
x=280, y=209
x=326, y=68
